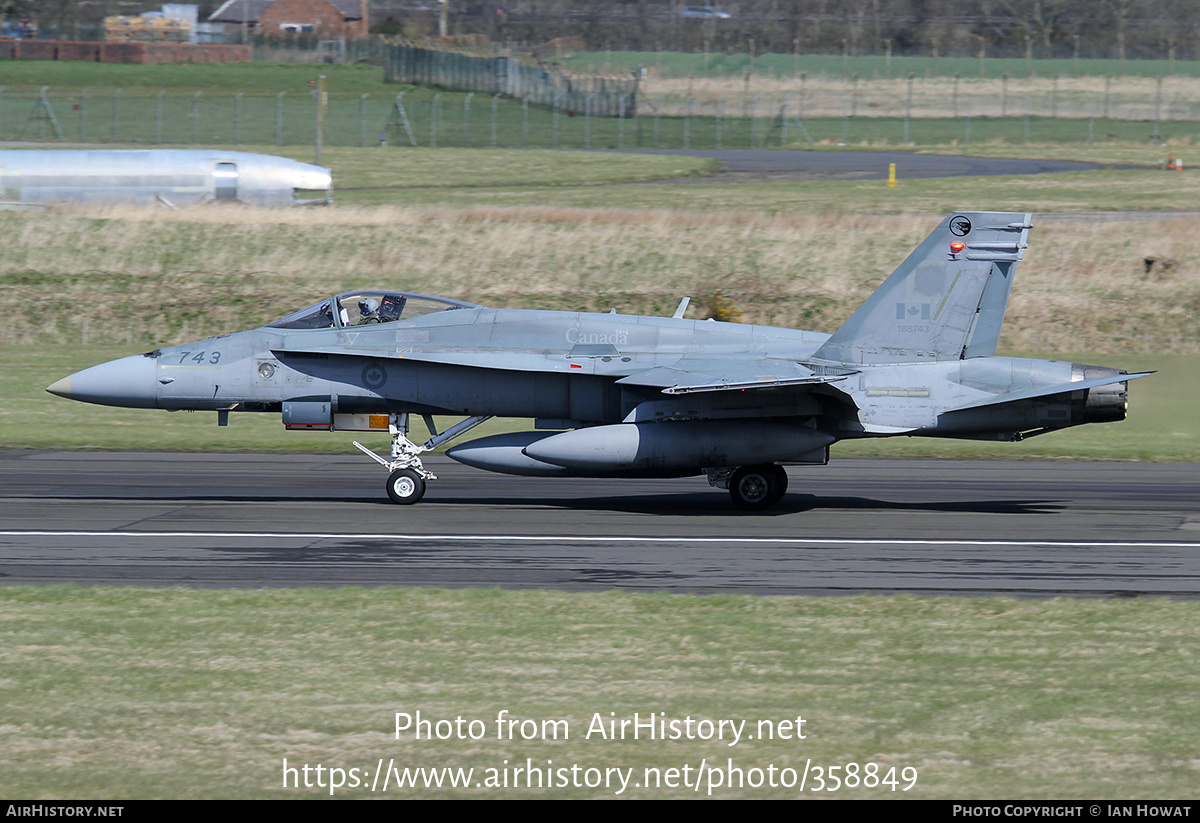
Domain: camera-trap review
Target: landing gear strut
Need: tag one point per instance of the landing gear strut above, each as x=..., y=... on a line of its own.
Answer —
x=406, y=482
x=752, y=488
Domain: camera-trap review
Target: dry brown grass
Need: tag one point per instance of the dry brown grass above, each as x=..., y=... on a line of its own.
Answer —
x=218, y=270
x=1129, y=98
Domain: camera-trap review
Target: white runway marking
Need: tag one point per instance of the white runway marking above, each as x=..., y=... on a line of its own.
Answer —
x=562, y=538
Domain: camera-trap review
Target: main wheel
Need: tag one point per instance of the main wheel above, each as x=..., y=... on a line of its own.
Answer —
x=405, y=486
x=754, y=488
x=782, y=479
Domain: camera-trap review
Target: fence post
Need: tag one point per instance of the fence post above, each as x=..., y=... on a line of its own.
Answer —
x=195, y=115
x=687, y=122
x=554, y=122
x=718, y=124
x=1092, y=120
x=753, y=121
x=783, y=125
x=908, y=109
x=525, y=121
x=1028, y=105
x=1004, y=95
x=362, y=121
x=621, y=120
x=1157, y=104
x=467, y=118
x=495, y=103
x=158, y=116
x=433, y=114
x=237, y=119
x=279, y=118
x=322, y=96
x=587, y=121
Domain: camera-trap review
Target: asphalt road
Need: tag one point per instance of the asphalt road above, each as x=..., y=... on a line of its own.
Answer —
x=881, y=526
x=764, y=165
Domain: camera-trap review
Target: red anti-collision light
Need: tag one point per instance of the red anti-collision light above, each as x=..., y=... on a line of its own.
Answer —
x=955, y=248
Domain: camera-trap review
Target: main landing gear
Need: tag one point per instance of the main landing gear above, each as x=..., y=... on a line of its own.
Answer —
x=406, y=482
x=752, y=488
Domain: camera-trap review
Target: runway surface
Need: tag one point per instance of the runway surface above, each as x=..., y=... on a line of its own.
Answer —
x=882, y=526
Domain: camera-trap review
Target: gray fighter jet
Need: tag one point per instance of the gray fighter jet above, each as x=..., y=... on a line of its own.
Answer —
x=615, y=395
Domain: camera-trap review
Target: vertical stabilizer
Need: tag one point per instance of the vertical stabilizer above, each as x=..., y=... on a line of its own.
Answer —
x=945, y=302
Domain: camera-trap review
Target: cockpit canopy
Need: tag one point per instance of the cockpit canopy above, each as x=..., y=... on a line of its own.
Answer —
x=367, y=308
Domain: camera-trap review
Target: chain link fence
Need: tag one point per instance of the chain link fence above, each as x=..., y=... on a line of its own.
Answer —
x=750, y=113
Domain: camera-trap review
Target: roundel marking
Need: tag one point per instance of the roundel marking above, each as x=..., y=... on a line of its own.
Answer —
x=374, y=376
x=960, y=226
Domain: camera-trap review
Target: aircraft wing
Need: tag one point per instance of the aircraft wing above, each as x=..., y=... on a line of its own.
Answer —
x=691, y=375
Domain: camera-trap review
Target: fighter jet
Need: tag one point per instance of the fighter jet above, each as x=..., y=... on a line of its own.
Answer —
x=613, y=395
x=172, y=177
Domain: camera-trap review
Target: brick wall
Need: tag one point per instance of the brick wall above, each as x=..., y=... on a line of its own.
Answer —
x=73, y=50
x=36, y=49
x=146, y=53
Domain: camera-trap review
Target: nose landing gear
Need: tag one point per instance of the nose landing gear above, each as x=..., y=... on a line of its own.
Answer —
x=407, y=478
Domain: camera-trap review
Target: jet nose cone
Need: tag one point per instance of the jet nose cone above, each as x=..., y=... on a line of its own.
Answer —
x=126, y=382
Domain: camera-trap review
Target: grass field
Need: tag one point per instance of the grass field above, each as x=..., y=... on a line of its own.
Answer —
x=735, y=64
x=121, y=693
x=781, y=252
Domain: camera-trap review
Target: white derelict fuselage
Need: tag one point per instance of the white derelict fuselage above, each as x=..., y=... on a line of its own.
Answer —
x=175, y=177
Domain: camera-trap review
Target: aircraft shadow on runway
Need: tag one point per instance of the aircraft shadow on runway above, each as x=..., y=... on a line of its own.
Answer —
x=693, y=504
x=703, y=504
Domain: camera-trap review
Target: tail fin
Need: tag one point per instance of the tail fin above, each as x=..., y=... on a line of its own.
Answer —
x=945, y=302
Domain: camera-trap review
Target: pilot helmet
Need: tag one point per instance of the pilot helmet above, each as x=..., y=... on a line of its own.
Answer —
x=368, y=306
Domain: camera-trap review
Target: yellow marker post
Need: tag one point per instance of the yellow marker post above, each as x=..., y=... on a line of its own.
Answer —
x=891, y=175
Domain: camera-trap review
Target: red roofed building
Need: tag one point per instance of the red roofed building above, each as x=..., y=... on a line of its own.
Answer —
x=288, y=18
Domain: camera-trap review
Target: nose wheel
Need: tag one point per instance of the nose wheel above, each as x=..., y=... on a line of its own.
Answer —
x=405, y=486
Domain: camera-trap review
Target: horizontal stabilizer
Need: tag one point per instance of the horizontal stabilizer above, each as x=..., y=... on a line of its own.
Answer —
x=1047, y=391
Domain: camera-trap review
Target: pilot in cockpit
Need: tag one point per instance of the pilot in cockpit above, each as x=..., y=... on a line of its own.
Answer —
x=368, y=311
